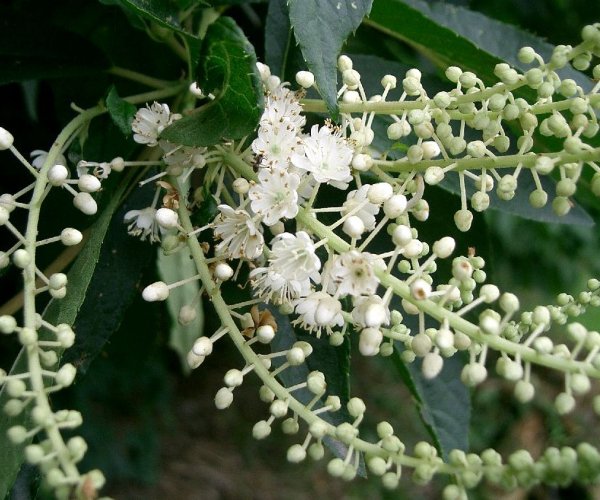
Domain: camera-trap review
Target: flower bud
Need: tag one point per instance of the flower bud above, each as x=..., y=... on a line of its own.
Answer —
x=156, y=292
x=420, y=289
x=295, y=356
x=21, y=258
x=434, y=175
x=463, y=220
x=296, y=453
x=354, y=227
x=305, y=79
x=290, y=426
x=223, y=271
x=356, y=407
x=316, y=382
x=402, y=235
x=57, y=175
x=261, y=429
x=85, y=203
x=278, y=408
x=167, y=218
x=369, y=341
x=187, y=314
x=70, y=236
x=444, y=247
x=27, y=336
x=362, y=162
x=88, y=183
x=6, y=139
x=66, y=375
x=203, y=347
x=8, y=324
x=432, y=365
x=223, y=398
x=395, y=205
x=380, y=192
x=564, y=403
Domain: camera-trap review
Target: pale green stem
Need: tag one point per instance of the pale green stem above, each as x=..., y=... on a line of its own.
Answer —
x=510, y=161
x=141, y=78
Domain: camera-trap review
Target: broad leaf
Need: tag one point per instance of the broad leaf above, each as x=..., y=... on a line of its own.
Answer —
x=114, y=285
x=228, y=71
x=174, y=268
x=443, y=403
x=121, y=111
x=455, y=35
x=334, y=362
x=163, y=12
x=282, y=55
x=321, y=27
x=63, y=311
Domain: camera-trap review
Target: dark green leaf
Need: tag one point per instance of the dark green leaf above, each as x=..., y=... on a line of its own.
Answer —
x=459, y=36
x=282, y=55
x=163, y=12
x=32, y=48
x=228, y=71
x=207, y=210
x=520, y=205
x=63, y=311
x=113, y=286
x=121, y=111
x=321, y=27
x=444, y=402
x=334, y=362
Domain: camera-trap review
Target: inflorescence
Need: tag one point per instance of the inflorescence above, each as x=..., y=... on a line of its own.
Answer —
x=273, y=231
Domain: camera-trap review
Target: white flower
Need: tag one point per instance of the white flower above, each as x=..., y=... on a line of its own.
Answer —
x=39, y=157
x=185, y=156
x=143, y=223
x=293, y=257
x=319, y=310
x=327, y=155
x=353, y=273
x=99, y=170
x=242, y=238
x=370, y=312
x=282, y=108
x=275, y=196
x=272, y=286
x=276, y=143
x=150, y=121
x=367, y=212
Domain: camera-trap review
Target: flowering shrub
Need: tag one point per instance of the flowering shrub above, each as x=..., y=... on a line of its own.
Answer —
x=290, y=198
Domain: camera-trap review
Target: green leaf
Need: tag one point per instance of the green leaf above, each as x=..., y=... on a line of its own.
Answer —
x=63, y=311
x=334, y=362
x=321, y=28
x=282, y=55
x=443, y=402
x=174, y=268
x=455, y=35
x=520, y=205
x=207, y=210
x=121, y=111
x=32, y=48
x=228, y=72
x=113, y=286
x=163, y=12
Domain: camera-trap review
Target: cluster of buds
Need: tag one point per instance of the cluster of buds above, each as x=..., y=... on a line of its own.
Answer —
x=27, y=391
